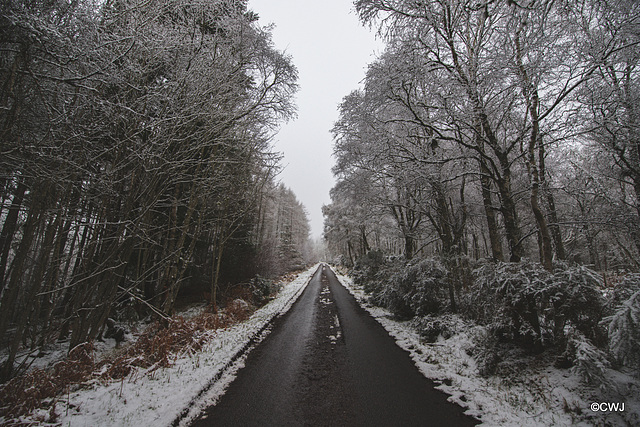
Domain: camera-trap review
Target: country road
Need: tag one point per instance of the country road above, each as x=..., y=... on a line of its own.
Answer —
x=327, y=362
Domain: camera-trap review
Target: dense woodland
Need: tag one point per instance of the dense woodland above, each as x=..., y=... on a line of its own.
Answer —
x=135, y=163
x=491, y=160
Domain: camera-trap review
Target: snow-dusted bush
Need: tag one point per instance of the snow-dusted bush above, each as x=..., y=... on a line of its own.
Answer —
x=367, y=267
x=506, y=297
x=261, y=289
x=431, y=327
x=373, y=273
x=486, y=353
x=588, y=361
x=624, y=289
x=391, y=295
x=623, y=329
x=429, y=294
x=574, y=296
x=418, y=289
x=525, y=303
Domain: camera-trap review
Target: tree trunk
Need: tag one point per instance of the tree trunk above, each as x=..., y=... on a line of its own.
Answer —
x=545, y=237
x=495, y=242
x=11, y=293
x=350, y=251
x=9, y=229
x=29, y=300
x=509, y=213
x=215, y=276
x=365, y=243
x=541, y=222
x=535, y=140
x=554, y=226
x=409, y=246
x=490, y=214
x=503, y=182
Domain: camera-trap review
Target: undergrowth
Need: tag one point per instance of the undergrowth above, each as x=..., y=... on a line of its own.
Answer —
x=155, y=348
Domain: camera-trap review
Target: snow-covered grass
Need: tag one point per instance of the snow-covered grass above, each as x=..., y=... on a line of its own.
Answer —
x=529, y=393
x=174, y=394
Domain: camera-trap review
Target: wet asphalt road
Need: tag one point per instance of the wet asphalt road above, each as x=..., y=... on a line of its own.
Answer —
x=327, y=362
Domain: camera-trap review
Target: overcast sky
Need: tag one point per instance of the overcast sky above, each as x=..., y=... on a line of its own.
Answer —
x=331, y=50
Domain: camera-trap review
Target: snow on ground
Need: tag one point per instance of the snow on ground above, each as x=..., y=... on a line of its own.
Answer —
x=164, y=395
x=44, y=358
x=57, y=351
x=543, y=396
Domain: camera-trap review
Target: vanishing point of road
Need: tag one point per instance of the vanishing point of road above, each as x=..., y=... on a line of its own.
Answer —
x=327, y=362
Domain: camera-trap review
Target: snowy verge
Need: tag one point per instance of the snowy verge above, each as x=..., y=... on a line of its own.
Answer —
x=532, y=396
x=164, y=396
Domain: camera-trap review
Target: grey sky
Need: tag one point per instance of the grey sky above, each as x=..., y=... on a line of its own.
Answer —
x=331, y=50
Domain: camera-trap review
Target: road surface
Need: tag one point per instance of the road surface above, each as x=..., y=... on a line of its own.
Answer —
x=327, y=362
